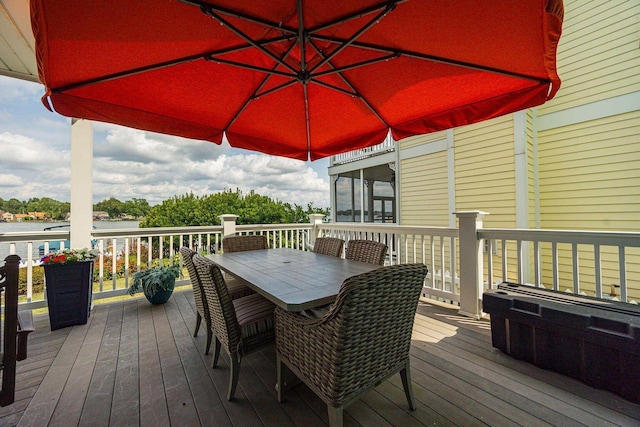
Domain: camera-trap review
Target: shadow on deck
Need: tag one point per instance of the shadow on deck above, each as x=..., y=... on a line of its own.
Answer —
x=137, y=364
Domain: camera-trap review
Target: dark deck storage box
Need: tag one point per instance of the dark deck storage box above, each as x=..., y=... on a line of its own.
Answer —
x=68, y=293
x=594, y=340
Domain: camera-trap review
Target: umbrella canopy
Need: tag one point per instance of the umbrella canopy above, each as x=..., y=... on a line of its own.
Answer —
x=302, y=79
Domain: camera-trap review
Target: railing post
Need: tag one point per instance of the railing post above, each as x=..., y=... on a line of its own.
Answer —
x=228, y=222
x=471, y=263
x=316, y=221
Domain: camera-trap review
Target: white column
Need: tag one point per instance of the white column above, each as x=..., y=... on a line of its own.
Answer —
x=451, y=176
x=81, y=183
x=228, y=222
x=522, y=185
x=471, y=263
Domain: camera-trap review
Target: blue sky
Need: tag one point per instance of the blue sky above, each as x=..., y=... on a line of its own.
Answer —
x=128, y=163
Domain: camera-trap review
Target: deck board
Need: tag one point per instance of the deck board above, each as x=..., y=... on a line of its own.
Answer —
x=137, y=364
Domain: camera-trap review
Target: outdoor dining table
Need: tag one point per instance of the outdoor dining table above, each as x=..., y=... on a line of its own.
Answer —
x=292, y=279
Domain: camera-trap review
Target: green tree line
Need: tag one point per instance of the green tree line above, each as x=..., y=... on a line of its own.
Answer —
x=251, y=208
x=57, y=210
x=183, y=210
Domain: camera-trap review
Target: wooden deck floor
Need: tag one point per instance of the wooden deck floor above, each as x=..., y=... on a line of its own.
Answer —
x=137, y=364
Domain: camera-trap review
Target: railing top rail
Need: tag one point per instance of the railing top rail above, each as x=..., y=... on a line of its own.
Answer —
x=156, y=231
x=30, y=236
x=267, y=227
x=608, y=238
x=386, y=228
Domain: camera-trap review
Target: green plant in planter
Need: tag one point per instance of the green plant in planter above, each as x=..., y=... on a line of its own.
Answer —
x=156, y=282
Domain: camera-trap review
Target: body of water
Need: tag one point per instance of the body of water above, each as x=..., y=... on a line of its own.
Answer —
x=21, y=248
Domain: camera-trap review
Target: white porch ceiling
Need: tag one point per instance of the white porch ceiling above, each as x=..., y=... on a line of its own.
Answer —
x=17, y=52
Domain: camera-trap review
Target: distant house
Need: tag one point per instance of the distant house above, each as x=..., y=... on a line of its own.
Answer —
x=37, y=215
x=100, y=215
x=6, y=217
x=22, y=217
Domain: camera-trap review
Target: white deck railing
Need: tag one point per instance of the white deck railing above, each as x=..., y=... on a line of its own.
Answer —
x=460, y=267
x=351, y=156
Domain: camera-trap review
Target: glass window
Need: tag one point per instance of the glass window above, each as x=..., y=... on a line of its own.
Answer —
x=348, y=190
x=376, y=193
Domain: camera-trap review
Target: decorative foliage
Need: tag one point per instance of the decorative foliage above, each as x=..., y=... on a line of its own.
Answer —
x=67, y=256
x=154, y=279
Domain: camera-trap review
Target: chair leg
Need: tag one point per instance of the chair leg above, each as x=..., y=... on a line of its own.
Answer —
x=216, y=352
x=405, y=374
x=198, y=321
x=209, y=337
x=234, y=360
x=335, y=416
x=280, y=374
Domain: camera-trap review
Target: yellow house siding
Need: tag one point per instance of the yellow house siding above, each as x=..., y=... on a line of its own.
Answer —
x=590, y=175
x=598, y=55
x=424, y=200
x=422, y=139
x=485, y=170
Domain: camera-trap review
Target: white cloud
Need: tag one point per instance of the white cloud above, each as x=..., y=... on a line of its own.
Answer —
x=130, y=163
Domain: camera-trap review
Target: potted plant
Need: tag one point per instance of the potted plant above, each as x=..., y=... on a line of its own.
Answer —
x=157, y=283
x=68, y=275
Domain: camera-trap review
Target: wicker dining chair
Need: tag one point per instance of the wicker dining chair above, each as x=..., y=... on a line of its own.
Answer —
x=240, y=326
x=236, y=290
x=244, y=243
x=328, y=246
x=362, y=340
x=366, y=251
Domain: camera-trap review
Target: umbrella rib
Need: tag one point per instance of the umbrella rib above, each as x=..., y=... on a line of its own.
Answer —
x=250, y=67
x=355, y=92
x=255, y=20
x=356, y=14
x=242, y=35
x=357, y=65
x=354, y=37
x=160, y=65
x=431, y=58
x=260, y=86
x=301, y=38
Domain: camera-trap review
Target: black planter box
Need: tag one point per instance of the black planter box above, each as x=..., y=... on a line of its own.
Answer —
x=68, y=293
x=594, y=340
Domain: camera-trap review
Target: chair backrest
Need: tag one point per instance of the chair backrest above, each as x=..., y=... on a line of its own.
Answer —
x=328, y=246
x=198, y=296
x=9, y=327
x=366, y=251
x=221, y=311
x=374, y=313
x=244, y=243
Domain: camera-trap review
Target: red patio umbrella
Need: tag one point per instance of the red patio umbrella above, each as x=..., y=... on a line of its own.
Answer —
x=302, y=79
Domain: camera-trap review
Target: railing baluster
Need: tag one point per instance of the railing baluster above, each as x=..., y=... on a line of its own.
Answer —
x=114, y=270
x=556, y=274
x=520, y=261
x=29, y=271
x=101, y=264
x=597, y=266
x=504, y=261
x=126, y=262
x=490, y=280
x=432, y=266
x=576, y=268
x=453, y=270
x=622, y=262
x=536, y=263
